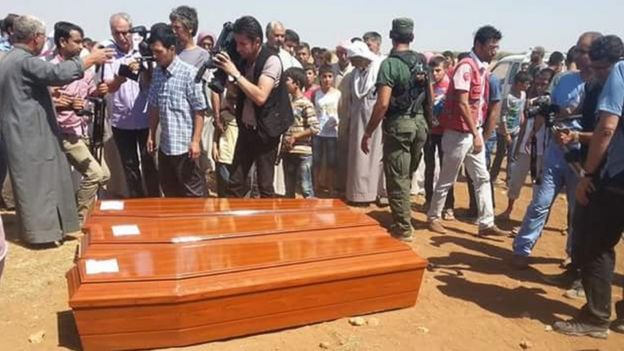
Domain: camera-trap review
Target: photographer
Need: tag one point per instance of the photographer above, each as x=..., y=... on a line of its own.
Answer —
x=177, y=103
x=567, y=93
x=39, y=170
x=263, y=109
x=600, y=198
x=70, y=100
x=127, y=99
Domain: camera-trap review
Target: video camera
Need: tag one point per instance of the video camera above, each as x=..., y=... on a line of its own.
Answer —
x=543, y=106
x=144, y=49
x=225, y=44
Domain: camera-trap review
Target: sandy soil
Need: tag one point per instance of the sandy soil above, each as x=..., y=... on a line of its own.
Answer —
x=473, y=301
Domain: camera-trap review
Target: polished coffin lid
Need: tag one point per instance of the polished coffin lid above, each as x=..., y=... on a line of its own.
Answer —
x=177, y=207
x=126, y=230
x=138, y=274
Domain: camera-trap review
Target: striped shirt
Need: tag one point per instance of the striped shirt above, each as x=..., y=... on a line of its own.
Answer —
x=177, y=97
x=305, y=118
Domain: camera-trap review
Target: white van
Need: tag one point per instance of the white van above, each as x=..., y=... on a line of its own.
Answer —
x=508, y=66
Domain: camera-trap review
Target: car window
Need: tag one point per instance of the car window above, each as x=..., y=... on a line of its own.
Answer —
x=500, y=70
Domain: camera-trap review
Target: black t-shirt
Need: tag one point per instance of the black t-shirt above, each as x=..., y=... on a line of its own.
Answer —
x=588, y=110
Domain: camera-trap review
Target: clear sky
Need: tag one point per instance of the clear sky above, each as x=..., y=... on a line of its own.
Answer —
x=440, y=25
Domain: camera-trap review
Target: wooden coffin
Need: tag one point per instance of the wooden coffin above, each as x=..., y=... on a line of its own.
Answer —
x=126, y=230
x=174, y=207
x=238, y=279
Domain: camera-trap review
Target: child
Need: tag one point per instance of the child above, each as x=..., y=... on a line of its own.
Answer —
x=224, y=144
x=526, y=144
x=326, y=142
x=297, y=143
x=438, y=65
x=512, y=117
x=310, y=87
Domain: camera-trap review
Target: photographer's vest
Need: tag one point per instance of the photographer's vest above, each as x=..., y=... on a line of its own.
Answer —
x=276, y=115
x=451, y=117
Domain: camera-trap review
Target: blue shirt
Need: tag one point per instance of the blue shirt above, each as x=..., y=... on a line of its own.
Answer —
x=567, y=92
x=496, y=91
x=612, y=101
x=177, y=97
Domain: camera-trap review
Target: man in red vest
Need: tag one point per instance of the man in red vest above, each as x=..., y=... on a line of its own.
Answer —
x=463, y=142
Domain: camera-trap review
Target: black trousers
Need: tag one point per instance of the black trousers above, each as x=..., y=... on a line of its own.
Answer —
x=128, y=142
x=598, y=228
x=434, y=142
x=250, y=148
x=180, y=176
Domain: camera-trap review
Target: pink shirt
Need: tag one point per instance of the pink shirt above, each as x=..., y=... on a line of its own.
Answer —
x=68, y=120
x=462, y=79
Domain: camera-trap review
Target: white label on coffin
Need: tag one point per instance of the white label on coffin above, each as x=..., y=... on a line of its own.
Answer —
x=126, y=230
x=112, y=205
x=102, y=266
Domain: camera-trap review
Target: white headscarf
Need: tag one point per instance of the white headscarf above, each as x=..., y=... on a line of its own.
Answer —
x=364, y=80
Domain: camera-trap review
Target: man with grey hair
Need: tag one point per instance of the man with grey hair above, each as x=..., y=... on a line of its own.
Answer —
x=127, y=101
x=39, y=170
x=276, y=36
x=373, y=41
x=184, y=23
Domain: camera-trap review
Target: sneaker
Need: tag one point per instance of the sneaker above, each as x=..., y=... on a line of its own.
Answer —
x=576, y=328
x=436, y=226
x=618, y=326
x=575, y=293
x=520, y=262
x=565, y=279
x=448, y=214
x=493, y=231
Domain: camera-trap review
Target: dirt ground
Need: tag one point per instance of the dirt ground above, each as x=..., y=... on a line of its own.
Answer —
x=474, y=301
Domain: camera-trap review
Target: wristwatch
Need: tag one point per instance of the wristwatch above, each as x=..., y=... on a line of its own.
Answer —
x=237, y=77
x=585, y=174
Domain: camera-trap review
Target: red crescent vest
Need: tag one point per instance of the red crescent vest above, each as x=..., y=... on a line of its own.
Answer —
x=450, y=117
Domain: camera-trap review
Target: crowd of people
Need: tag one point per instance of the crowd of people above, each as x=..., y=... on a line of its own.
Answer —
x=272, y=116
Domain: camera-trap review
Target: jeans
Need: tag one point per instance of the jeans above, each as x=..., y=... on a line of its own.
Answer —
x=250, y=148
x=434, y=142
x=503, y=149
x=298, y=169
x=555, y=175
x=180, y=176
x=457, y=149
x=222, y=172
x=598, y=227
x=138, y=167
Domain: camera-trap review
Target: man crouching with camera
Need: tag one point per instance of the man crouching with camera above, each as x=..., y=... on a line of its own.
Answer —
x=263, y=110
x=71, y=103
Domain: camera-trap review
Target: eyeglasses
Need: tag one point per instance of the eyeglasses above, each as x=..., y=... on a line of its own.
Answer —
x=121, y=33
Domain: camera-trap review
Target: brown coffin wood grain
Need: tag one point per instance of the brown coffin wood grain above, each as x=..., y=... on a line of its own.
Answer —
x=246, y=273
x=172, y=207
x=176, y=229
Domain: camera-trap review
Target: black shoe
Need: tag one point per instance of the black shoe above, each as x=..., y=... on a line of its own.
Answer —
x=618, y=326
x=576, y=328
x=565, y=279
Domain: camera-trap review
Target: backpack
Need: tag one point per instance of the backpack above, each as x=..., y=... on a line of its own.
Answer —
x=408, y=100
